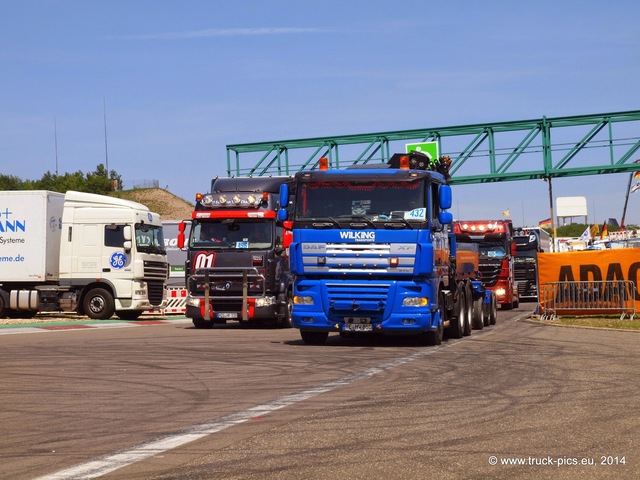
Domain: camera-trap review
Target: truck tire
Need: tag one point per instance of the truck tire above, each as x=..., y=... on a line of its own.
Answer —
x=456, y=325
x=487, y=311
x=313, y=338
x=200, y=322
x=3, y=305
x=287, y=321
x=468, y=319
x=493, y=316
x=129, y=314
x=98, y=304
x=478, y=314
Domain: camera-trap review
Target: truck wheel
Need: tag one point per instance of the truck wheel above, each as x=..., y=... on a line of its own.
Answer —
x=487, y=312
x=468, y=318
x=313, y=338
x=493, y=316
x=3, y=307
x=202, y=323
x=288, y=323
x=435, y=338
x=456, y=326
x=98, y=304
x=129, y=314
x=478, y=314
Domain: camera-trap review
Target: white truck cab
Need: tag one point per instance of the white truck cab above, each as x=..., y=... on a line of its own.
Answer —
x=93, y=254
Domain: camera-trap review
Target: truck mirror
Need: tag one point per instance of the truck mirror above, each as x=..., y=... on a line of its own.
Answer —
x=444, y=194
x=446, y=218
x=126, y=234
x=181, y=229
x=284, y=202
x=127, y=245
x=284, y=195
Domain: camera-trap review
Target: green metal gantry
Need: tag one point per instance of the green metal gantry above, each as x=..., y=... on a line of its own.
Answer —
x=491, y=152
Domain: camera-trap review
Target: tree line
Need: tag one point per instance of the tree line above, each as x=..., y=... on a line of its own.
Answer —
x=99, y=181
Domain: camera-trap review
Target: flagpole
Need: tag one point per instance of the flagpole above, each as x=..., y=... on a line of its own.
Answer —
x=626, y=201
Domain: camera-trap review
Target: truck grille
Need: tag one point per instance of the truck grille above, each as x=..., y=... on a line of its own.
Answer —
x=352, y=297
x=356, y=258
x=489, y=274
x=157, y=270
x=521, y=274
x=156, y=291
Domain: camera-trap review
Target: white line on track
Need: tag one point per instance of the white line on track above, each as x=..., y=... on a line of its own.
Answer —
x=123, y=458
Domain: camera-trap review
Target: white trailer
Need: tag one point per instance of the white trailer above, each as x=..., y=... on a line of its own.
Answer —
x=79, y=252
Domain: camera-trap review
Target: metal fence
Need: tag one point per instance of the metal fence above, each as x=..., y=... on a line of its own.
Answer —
x=590, y=297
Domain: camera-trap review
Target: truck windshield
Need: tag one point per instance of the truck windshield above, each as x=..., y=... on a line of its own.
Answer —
x=374, y=201
x=492, y=250
x=232, y=234
x=149, y=238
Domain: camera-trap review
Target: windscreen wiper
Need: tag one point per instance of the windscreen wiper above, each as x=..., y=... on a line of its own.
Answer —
x=397, y=222
x=331, y=223
x=355, y=224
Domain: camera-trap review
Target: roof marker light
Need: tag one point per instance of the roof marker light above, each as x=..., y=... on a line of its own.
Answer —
x=324, y=163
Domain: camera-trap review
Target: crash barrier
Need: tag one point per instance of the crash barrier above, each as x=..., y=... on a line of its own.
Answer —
x=587, y=297
x=176, y=302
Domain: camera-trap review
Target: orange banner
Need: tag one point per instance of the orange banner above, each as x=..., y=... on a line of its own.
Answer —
x=591, y=266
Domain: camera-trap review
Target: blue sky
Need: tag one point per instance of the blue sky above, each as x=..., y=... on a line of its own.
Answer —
x=182, y=79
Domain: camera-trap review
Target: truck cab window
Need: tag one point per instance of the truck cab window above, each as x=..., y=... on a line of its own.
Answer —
x=233, y=234
x=149, y=238
x=375, y=201
x=113, y=236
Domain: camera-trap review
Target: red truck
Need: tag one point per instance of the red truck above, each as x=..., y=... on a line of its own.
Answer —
x=497, y=250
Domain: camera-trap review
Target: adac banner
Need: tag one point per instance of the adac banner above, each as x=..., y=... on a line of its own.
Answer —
x=591, y=266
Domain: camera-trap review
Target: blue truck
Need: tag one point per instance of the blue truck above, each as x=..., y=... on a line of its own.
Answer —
x=373, y=252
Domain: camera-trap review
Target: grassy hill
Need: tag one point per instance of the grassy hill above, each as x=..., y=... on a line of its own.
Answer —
x=169, y=206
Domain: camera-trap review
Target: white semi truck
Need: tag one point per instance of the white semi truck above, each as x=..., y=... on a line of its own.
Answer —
x=79, y=252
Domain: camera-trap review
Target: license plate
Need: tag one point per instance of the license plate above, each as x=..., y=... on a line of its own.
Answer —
x=227, y=315
x=358, y=324
x=358, y=327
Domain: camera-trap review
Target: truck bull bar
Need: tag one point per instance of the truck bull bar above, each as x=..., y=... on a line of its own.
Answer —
x=608, y=296
x=226, y=277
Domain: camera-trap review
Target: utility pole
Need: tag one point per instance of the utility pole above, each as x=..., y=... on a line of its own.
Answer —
x=106, y=153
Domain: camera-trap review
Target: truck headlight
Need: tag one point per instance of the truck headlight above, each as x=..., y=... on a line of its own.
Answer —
x=303, y=300
x=193, y=302
x=500, y=292
x=415, y=302
x=265, y=301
